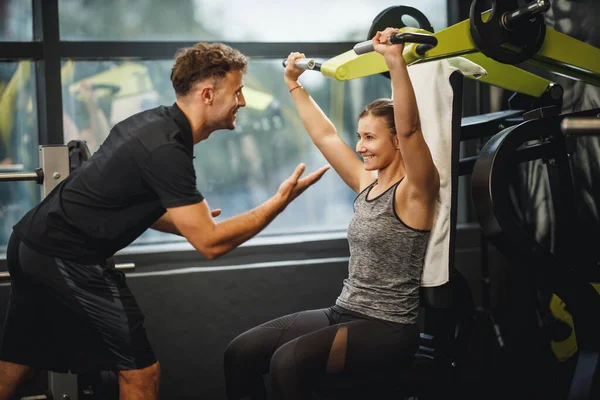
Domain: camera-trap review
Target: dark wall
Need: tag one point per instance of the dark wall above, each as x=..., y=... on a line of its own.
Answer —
x=192, y=316
x=195, y=307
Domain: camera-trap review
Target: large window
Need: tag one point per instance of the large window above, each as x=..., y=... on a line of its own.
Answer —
x=234, y=20
x=96, y=63
x=18, y=142
x=238, y=169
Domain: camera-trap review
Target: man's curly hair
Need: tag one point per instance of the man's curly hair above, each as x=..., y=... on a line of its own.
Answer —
x=204, y=61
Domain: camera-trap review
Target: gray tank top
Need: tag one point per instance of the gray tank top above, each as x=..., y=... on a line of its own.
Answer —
x=386, y=261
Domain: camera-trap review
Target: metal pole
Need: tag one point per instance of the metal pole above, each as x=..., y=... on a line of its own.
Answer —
x=582, y=126
x=509, y=19
x=18, y=176
x=37, y=176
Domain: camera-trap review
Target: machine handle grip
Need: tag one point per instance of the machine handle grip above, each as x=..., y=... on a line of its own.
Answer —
x=427, y=42
x=305, y=63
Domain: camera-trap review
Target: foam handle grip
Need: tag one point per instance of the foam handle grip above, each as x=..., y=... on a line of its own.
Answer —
x=303, y=63
x=402, y=37
x=363, y=47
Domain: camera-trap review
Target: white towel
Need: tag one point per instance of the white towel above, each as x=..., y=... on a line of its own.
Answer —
x=431, y=83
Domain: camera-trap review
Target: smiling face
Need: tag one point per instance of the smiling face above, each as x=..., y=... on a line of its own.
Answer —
x=376, y=142
x=228, y=98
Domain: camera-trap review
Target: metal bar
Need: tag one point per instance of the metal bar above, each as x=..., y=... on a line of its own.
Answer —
x=125, y=266
x=528, y=11
x=5, y=276
x=580, y=126
x=305, y=63
x=47, y=72
x=21, y=51
x=429, y=41
x=18, y=176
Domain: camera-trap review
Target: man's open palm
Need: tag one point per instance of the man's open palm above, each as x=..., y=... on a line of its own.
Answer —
x=293, y=186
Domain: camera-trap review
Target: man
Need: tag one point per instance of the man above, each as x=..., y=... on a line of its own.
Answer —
x=70, y=309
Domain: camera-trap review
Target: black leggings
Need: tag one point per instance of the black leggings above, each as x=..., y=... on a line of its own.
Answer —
x=310, y=350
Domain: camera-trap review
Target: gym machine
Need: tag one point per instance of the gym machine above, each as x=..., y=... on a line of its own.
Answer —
x=565, y=272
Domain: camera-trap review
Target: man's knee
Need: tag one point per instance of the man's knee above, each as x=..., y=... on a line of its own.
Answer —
x=145, y=377
x=15, y=372
x=12, y=376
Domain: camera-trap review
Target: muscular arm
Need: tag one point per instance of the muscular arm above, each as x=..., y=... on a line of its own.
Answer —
x=213, y=239
x=165, y=224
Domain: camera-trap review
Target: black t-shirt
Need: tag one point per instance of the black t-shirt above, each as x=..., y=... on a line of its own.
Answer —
x=143, y=167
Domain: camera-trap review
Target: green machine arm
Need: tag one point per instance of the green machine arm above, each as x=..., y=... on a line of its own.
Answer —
x=559, y=53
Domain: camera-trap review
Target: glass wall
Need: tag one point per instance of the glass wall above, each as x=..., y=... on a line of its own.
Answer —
x=236, y=170
x=235, y=20
x=16, y=21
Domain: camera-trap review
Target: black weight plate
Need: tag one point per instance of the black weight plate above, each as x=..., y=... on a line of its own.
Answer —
x=513, y=46
x=392, y=17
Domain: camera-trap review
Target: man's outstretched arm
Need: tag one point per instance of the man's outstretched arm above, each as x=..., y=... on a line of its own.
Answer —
x=165, y=222
x=213, y=239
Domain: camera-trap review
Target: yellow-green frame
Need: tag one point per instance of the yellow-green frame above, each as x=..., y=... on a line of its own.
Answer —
x=560, y=54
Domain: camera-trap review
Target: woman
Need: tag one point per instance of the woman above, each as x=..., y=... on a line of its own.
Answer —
x=373, y=324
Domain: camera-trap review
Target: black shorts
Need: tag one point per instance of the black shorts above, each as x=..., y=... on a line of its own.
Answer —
x=65, y=316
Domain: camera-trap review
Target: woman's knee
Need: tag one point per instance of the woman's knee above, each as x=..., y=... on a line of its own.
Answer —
x=242, y=350
x=288, y=374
